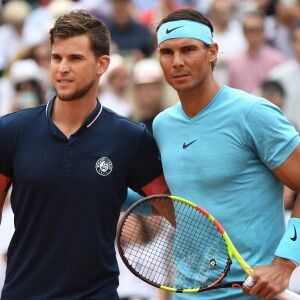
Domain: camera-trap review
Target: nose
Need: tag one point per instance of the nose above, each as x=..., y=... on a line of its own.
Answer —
x=63, y=66
x=177, y=60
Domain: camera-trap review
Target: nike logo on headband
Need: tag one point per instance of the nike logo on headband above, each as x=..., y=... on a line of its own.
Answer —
x=170, y=30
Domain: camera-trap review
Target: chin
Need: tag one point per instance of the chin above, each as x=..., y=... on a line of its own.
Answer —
x=64, y=97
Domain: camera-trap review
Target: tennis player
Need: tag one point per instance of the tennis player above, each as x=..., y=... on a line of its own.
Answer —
x=231, y=153
x=69, y=163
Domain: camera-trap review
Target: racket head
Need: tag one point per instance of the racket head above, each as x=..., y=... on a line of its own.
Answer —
x=184, y=251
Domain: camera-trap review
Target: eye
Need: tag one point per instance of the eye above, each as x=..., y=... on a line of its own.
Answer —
x=56, y=58
x=165, y=51
x=75, y=58
x=188, y=49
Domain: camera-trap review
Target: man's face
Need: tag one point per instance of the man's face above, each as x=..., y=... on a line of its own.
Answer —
x=186, y=62
x=75, y=70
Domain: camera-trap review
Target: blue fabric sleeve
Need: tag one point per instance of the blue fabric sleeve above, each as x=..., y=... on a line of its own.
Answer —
x=272, y=135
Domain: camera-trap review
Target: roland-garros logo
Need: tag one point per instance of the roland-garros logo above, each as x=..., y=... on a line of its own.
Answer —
x=104, y=166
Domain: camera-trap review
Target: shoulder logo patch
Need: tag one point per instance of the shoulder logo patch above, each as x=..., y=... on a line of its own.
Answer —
x=104, y=166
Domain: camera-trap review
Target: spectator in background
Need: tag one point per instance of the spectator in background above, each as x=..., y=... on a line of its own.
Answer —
x=38, y=22
x=278, y=26
x=100, y=8
x=26, y=77
x=227, y=32
x=273, y=91
x=248, y=69
x=266, y=6
x=14, y=14
x=288, y=74
x=131, y=37
x=148, y=91
x=113, y=88
x=41, y=54
x=157, y=11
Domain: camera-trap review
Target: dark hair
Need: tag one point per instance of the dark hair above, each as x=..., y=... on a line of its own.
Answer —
x=186, y=14
x=78, y=22
x=273, y=86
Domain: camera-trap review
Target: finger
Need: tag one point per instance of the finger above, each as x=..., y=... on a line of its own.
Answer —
x=249, y=282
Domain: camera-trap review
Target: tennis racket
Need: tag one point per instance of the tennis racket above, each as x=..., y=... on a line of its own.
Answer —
x=175, y=245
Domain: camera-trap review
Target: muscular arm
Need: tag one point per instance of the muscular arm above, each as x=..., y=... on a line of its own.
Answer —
x=289, y=174
x=274, y=278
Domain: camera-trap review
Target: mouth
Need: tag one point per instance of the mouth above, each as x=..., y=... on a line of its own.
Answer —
x=64, y=81
x=179, y=76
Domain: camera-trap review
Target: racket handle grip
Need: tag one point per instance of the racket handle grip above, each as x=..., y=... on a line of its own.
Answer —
x=288, y=295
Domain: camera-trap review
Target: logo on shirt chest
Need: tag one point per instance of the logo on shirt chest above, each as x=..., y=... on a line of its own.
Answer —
x=104, y=166
x=184, y=146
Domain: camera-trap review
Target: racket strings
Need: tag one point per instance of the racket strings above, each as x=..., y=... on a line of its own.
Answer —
x=191, y=254
x=201, y=256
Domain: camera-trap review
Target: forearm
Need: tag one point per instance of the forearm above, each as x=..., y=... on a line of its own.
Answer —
x=296, y=209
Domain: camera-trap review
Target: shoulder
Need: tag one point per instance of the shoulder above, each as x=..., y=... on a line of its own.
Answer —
x=167, y=113
x=239, y=97
x=119, y=122
x=235, y=102
x=22, y=124
x=22, y=117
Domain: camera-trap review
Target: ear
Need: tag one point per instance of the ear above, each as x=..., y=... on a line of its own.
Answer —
x=213, y=52
x=103, y=64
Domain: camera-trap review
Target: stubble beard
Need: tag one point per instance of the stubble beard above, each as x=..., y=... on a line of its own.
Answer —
x=77, y=94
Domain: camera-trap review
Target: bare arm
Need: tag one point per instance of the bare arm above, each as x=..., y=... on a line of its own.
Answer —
x=2, y=200
x=274, y=278
x=289, y=174
x=164, y=295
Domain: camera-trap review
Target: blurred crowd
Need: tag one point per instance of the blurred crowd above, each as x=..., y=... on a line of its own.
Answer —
x=259, y=52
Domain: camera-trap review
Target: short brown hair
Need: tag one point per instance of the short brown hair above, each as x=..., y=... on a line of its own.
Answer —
x=78, y=22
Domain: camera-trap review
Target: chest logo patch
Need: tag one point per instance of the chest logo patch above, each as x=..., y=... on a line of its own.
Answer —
x=104, y=166
x=184, y=146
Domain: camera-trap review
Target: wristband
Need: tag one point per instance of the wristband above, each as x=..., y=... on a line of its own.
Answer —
x=289, y=246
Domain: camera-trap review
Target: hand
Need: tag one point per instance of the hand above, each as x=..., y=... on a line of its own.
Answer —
x=164, y=207
x=270, y=280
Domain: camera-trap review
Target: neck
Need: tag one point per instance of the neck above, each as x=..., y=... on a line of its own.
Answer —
x=69, y=116
x=192, y=104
